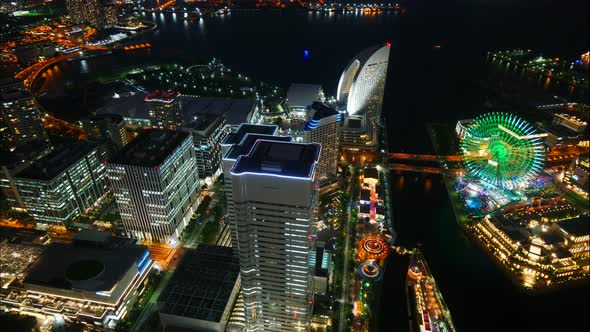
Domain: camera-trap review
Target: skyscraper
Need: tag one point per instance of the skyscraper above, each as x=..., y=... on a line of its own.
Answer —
x=156, y=184
x=323, y=126
x=20, y=120
x=233, y=146
x=86, y=12
x=275, y=197
x=165, y=109
x=360, y=91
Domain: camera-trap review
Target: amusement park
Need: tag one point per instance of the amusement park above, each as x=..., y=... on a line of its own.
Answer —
x=514, y=203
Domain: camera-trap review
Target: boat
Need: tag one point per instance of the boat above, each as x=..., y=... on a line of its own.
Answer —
x=427, y=308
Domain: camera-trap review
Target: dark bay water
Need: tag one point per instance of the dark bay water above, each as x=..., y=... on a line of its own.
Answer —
x=424, y=84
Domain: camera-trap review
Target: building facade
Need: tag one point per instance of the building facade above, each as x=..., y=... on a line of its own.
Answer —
x=108, y=127
x=20, y=119
x=165, y=110
x=86, y=12
x=208, y=132
x=275, y=195
x=323, y=127
x=64, y=183
x=156, y=184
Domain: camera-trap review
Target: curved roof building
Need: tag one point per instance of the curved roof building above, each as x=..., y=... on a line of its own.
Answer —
x=362, y=83
x=360, y=91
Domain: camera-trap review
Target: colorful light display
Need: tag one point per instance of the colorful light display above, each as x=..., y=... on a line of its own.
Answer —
x=372, y=247
x=503, y=150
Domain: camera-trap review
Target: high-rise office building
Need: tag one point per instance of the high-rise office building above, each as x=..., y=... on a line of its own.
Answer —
x=208, y=132
x=20, y=120
x=86, y=12
x=64, y=183
x=360, y=91
x=107, y=127
x=233, y=146
x=165, y=109
x=275, y=197
x=323, y=126
x=11, y=163
x=156, y=184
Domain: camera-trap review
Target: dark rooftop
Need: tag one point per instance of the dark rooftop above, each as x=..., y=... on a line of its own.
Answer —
x=56, y=162
x=50, y=268
x=280, y=158
x=246, y=128
x=13, y=94
x=151, y=148
x=23, y=154
x=561, y=131
x=202, y=284
x=354, y=123
x=248, y=141
x=203, y=123
x=235, y=111
x=371, y=172
x=579, y=226
x=322, y=110
x=114, y=118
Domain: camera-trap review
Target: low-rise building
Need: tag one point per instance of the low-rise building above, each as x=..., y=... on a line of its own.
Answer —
x=202, y=291
x=93, y=284
x=576, y=232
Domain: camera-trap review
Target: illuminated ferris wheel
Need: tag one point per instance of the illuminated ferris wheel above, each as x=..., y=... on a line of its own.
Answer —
x=503, y=150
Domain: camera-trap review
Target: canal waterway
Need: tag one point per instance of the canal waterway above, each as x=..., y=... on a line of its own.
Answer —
x=437, y=73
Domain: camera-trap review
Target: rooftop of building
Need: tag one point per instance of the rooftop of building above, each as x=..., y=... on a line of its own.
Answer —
x=87, y=268
x=162, y=96
x=57, y=161
x=14, y=94
x=24, y=153
x=560, y=131
x=578, y=226
x=371, y=173
x=571, y=118
x=248, y=128
x=321, y=110
x=302, y=95
x=279, y=158
x=151, y=148
x=248, y=141
x=202, y=284
x=110, y=117
x=203, y=124
x=235, y=111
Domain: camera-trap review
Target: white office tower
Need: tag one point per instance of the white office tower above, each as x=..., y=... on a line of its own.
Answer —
x=275, y=198
x=233, y=146
x=323, y=126
x=156, y=184
x=361, y=89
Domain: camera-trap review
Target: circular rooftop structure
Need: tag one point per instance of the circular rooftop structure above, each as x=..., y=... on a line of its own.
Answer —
x=369, y=270
x=85, y=269
x=372, y=247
